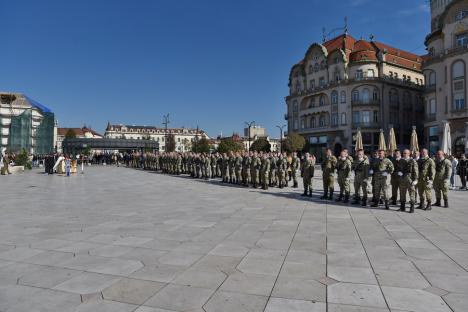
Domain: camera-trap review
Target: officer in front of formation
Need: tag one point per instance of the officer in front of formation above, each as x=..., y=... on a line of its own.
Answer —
x=408, y=173
x=443, y=171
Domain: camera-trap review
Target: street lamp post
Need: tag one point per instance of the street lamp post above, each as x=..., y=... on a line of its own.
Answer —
x=166, y=122
x=249, y=125
x=281, y=136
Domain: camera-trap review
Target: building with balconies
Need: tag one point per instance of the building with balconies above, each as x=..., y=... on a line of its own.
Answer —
x=445, y=70
x=344, y=84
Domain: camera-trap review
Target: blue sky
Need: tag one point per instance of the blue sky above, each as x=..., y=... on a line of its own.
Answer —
x=211, y=63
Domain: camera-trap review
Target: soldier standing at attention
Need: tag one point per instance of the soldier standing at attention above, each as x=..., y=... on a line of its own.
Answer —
x=308, y=168
x=295, y=163
x=443, y=171
x=407, y=171
x=395, y=179
x=361, y=175
x=265, y=170
x=426, y=167
x=207, y=167
x=382, y=167
x=273, y=169
x=282, y=170
x=343, y=166
x=238, y=167
x=255, y=169
x=328, y=174
x=214, y=163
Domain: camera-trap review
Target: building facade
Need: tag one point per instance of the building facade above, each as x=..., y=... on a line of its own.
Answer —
x=345, y=84
x=445, y=70
x=183, y=136
x=25, y=124
x=79, y=133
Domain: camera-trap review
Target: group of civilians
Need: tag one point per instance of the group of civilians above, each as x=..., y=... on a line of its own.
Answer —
x=460, y=168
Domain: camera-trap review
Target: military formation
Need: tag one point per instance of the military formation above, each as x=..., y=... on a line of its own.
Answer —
x=378, y=179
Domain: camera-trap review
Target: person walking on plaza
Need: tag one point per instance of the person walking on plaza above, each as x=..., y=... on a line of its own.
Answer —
x=408, y=174
x=308, y=168
x=443, y=172
x=382, y=167
x=462, y=170
x=453, y=176
x=361, y=178
x=426, y=167
x=328, y=174
x=343, y=168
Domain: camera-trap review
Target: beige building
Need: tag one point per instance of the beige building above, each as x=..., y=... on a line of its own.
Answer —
x=81, y=133
x=183, y=136
x=445, y=70
x=344, y=84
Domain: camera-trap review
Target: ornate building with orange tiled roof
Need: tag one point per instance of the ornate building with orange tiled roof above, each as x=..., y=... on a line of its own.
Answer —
x=344, y=84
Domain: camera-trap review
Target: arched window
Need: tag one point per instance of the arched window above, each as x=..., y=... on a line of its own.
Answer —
x=311, y=69
x=316, y=67
x=312, y=102
x=370, y=73
x=312, y=122
x=295, y=107
x=365, y=96
x=458, y=85
x=393, y=96
x=302, y=123
x=322, y=65
x=375, y=94
x=334, y=97
x=343, y=96
x=295, y=124
x=355, y=96
x=322, y=100
x=343, y=118
x=298, y=87
x=322, y=121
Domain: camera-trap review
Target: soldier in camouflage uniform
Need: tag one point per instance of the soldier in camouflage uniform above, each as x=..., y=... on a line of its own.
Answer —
x=343, y=167
x=328, y=174
x=295, y=164
x=395, y=179
x=238, y=167
x=361, y=178
x=308, y=170
x=207, y=167
x=232, y=166
x=426, y=167
x=225, y=168
x=265, y=171
x=282, y=166
x=273, y=169
x=255, y=170
x=381, y=168
x=407, y=171
x=246, y=161
x=214, y=164
x=443, y=171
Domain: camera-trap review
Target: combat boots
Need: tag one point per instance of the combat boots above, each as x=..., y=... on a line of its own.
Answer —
x=364, y=202
x=346, y=198
x=375, y=203
x=411, y=209
x=325, y=195
x=421, y=205
x=295, y=185
x=356, y=200
x=387, y=206
x=340, y=197
x=331, y=195
x=393, y=201
x=428, y=206
x=437, y=203
x=446, y=205
x=310, y=193
x=402, y=206
x=305, y=193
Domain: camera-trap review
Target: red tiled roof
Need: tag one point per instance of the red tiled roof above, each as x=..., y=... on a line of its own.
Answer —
x=78, y=131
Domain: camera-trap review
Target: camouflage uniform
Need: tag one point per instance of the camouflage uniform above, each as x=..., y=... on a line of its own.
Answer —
x=361, y=180
x=246, y=161
x=238, y=168
x=295, y=163
x=443, y=171
x=255, y=170
x=282, y=171
x=395, y=180
x=273, y=170
x=328, y=176
x=308, y=170
x=265, y=171
x=343, y=166
x=426, y=167
x=381, y=168
x=407, y=171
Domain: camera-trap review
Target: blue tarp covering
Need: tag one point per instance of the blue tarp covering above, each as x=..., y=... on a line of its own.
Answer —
x=38, y=105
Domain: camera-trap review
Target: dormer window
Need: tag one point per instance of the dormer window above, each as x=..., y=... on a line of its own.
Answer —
x=461, y=40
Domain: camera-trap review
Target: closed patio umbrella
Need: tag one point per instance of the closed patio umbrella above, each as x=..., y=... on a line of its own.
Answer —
x=392, y=145
x=359, y=144
x=382, y=145
x=414, y=145
x=446, y=139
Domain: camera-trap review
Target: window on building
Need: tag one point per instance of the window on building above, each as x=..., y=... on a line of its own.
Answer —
x=432, y=79
x=337, y=76
x=302, y=123
x=376, y=116
x=343, y=118
x=458, y=85
x=312, y=84
x=370, y=73
x=461, y=40
x=343, y=96
x=359, y=74
x=366, y=117
x=334, y=97
x=335, y=60
x=356, y=96
x=322, y=121
x=312, y=102
x=298, y=87
x=432, y=109
x=391, y=74
x=334, y=119
x=316, y=67
x=312, y=122
x=375, y=94
x=356, y=117
x=295, y=107
x=322, y=81
x=311, y=69
x=366, y=96
x=295, y=124
x=322, y=100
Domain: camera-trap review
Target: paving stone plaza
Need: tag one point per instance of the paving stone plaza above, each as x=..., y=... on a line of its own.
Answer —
x=117, y=239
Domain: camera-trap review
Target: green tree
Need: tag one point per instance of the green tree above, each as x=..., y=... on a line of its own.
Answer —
x=261, y=145
x=201, y=146
x=229, y=145
x=71, y=134
x=293, y=143
x=22, y=159
x=170, y=143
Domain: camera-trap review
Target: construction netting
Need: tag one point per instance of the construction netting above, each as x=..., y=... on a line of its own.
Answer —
x=45, y=135
x=20, y=132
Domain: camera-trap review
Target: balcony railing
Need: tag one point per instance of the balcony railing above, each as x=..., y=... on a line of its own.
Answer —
x=366, y=125
x=365, y=102
x=446, y=53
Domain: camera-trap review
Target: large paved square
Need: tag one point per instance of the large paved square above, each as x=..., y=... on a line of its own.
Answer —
x=117, y=239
